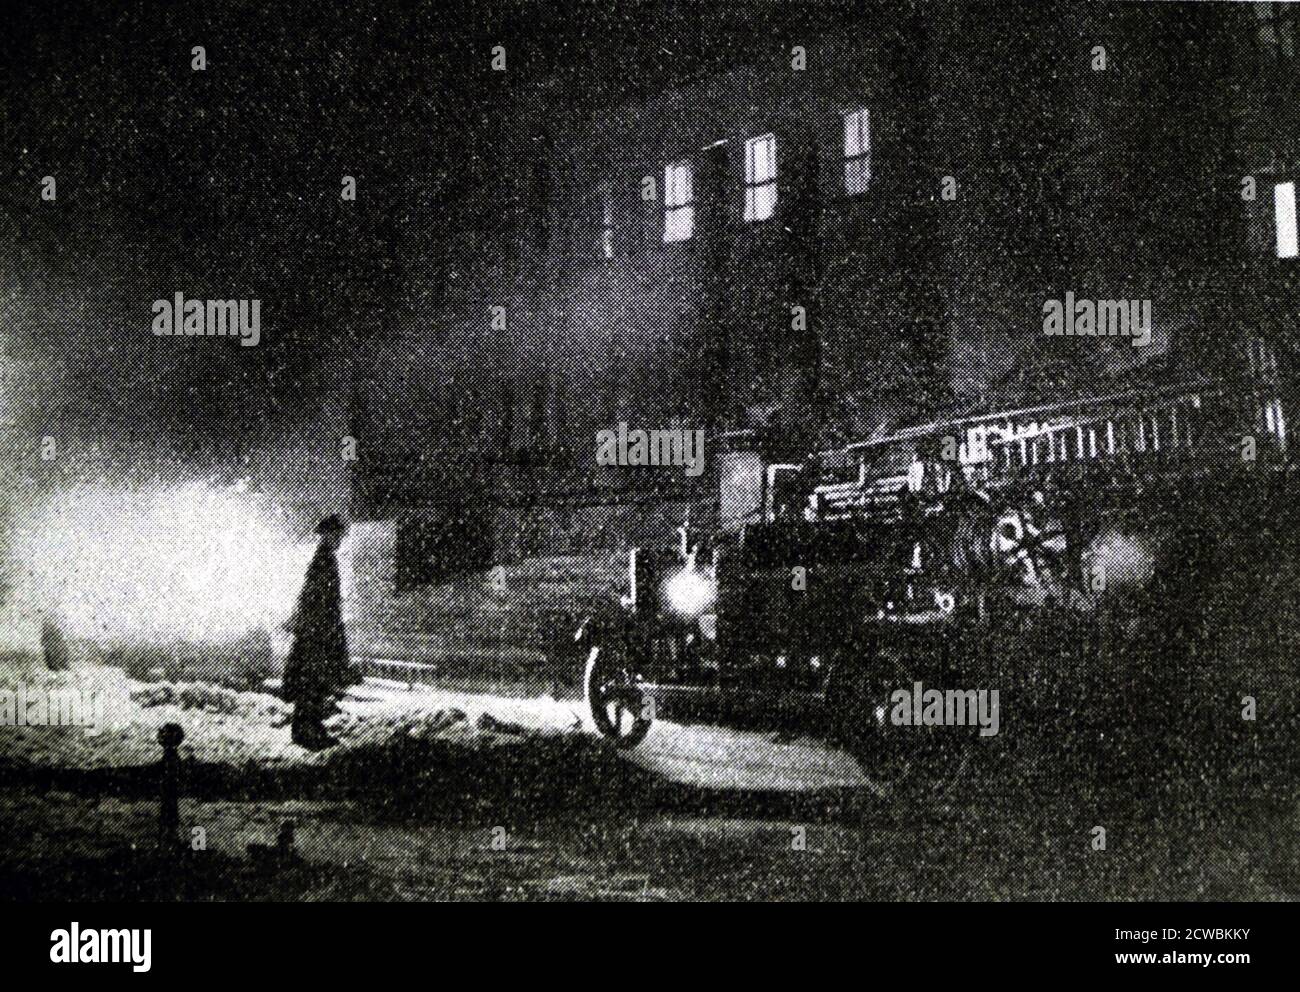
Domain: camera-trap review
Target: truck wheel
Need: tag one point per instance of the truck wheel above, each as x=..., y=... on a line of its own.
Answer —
x=619, y=707
x=914, y=762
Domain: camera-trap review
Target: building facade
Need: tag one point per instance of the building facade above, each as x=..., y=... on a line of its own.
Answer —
x=860, y=232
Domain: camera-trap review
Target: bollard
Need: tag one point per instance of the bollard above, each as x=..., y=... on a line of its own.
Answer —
x=53, y=646
x=170, y=736
x=284, y=843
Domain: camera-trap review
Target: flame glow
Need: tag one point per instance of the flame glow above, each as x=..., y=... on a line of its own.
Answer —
x=1126, y=560
x=188, y=562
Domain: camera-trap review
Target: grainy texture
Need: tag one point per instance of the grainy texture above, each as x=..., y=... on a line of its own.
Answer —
x=782, y=451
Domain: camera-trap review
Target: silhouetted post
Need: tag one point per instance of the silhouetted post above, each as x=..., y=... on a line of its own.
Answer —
x=53, y=646
x=284, y=843
x=170, y=736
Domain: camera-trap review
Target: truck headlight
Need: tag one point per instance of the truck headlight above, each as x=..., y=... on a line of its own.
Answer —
x=689, y=593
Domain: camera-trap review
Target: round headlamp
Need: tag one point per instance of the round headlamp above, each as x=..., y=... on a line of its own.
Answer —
x=689, y=593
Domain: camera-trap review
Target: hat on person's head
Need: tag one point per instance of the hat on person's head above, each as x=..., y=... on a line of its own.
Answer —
x=333, y=524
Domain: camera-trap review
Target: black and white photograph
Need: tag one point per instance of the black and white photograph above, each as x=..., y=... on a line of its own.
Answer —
x=651, y=451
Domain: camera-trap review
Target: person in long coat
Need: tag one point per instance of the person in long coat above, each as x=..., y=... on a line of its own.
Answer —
x=318, y=669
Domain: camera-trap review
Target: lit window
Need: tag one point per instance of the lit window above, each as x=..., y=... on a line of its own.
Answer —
x=1262, y=358
x=679, y=202
x=1276, y=32
x=607, y=226
x=1284, y=211
x=760, y=177
x=857, y=151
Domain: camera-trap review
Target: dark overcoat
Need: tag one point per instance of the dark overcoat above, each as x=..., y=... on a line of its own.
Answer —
x=318, y=665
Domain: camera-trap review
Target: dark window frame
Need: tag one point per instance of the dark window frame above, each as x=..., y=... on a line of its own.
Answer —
x=1276, y=26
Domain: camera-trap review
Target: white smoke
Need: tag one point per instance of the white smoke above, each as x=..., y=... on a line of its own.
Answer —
x=188, y=562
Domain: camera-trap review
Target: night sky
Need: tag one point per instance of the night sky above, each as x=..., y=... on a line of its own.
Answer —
x=225, y=183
